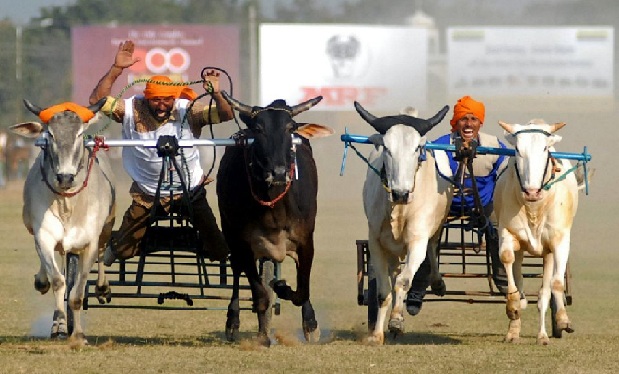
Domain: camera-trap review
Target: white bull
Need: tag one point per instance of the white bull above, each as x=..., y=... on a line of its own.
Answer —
x=69, y=207
x=405, y=202
x=535, y=202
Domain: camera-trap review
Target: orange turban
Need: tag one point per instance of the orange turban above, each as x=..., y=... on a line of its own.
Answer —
x=84, y=113
x=154, y=89
x=464, y=106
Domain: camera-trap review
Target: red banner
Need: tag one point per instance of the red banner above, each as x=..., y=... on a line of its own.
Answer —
x=178, y=51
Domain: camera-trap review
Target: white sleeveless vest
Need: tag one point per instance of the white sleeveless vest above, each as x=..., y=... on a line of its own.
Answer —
x=143, y=164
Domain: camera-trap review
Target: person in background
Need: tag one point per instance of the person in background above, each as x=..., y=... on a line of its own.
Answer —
x=467, y=120
x=160, y=110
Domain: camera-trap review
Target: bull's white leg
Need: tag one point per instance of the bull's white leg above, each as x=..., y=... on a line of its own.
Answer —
x=518, y=276
x=45, y=245
x=102, y=291
x=506, y=253
x=76, y=297
x=416, y=253
x=561, y=254
x=544, y=298
x=396, y=318
x=383, y=290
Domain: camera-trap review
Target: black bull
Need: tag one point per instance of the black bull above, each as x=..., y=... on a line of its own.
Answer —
x=267, y=200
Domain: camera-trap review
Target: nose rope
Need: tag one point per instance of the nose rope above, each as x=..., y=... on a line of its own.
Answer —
x=99, y=143
x=271, y=203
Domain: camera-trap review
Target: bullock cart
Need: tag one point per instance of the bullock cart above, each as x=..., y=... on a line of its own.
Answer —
x=463, y=260
x=170, y=273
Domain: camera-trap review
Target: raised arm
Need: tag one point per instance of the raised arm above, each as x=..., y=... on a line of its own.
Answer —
x=123, y=59
x=211, y=85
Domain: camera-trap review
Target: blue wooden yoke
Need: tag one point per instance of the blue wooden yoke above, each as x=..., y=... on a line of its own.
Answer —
x=583, y=157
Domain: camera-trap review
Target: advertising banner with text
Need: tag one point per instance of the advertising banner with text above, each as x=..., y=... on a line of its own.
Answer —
x=562, y=62
x=178, y=51
x=383, y=68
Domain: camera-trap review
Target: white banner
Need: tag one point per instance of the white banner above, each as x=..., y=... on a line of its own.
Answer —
x=383, y=68
x=544, y=61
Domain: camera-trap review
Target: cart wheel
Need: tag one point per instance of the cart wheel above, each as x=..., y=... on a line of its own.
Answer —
x=556, y=333
x=70, y=276
x=267, y=275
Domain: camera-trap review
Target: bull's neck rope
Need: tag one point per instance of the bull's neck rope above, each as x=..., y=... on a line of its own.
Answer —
x=271, y=203
x=99, y=143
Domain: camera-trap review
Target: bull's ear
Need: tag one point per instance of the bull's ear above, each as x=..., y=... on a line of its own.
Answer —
x=553, y=139
x=313, y=130
x=28, y=129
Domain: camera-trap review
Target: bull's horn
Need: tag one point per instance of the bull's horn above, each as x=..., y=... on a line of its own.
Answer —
x=507, y=127
x=31, y=107
x=98, y=105
x=239, y=106
x=557, y=126
x=438, y=117
x=367, y=116
x=299, y=108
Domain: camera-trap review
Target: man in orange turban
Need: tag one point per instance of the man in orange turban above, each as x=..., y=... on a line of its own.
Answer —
x=467, y=119
x=165, y=108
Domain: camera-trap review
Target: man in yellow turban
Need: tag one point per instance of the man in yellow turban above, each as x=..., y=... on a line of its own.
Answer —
x=161, y=111
x=468, y=118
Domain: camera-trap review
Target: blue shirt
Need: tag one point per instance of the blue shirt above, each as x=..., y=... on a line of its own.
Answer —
x=485, y=183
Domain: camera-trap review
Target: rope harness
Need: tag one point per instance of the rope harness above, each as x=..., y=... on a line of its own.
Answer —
x=549, y=160
x=382, y=173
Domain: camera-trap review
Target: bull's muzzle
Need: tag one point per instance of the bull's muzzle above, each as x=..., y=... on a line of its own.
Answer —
x=400, y=196
x=278, y=176
x=65, y=181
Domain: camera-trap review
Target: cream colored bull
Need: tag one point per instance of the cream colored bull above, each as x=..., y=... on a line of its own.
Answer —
x=69, y=207
x=535, y=202
x=405, y=202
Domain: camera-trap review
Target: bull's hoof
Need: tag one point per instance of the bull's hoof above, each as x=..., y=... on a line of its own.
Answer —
x=542, y=339
x=104, y=294
x=376, y=339
x=282, y=290
x=42, y=287
x=396, y=327
x=263, y=340
x=78, y=340
x=59, y=331
x=513, y=331
x=232, y=330
x=439, y=288
x=513, y=339
x=564, y=326
x=311, y=331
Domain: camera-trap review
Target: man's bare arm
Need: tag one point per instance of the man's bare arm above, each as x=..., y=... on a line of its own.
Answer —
x=123, y=59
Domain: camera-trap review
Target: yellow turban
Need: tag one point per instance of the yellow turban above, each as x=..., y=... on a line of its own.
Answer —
x=155, y=89
x=84, y=113
x=467, y=105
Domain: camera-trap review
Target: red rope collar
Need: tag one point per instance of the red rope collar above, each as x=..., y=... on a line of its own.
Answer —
x=271, y=203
